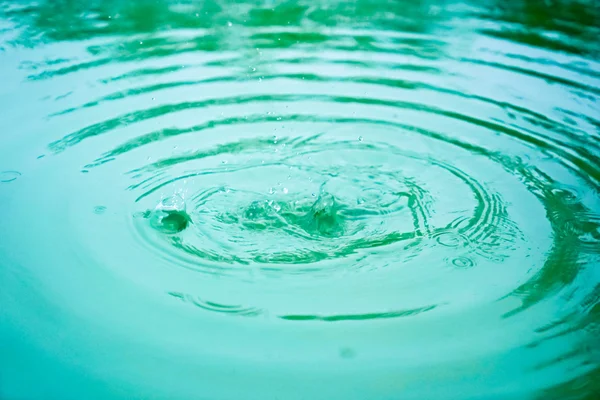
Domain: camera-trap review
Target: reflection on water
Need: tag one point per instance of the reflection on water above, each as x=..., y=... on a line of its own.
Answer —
x=293, y=199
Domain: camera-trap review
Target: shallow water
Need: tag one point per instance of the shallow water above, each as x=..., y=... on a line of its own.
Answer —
x=299, y=200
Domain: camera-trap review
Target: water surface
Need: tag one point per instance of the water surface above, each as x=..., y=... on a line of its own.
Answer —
x=299, y=200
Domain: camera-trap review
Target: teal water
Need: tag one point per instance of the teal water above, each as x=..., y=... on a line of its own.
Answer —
x=299, y=199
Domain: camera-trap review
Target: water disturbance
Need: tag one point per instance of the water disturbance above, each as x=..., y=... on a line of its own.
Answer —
x=299, y=199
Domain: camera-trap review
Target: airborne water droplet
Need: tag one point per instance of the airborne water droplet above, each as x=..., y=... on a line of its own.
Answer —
x=172, y=203
x=229, y=24
x=360, y=138
x=170, y=215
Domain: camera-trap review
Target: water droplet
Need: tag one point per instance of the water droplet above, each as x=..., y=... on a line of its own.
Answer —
x=285, y=190
x=141, y=42
x=271, y=191
x=197, y=15
x=99, y=210
x=223, y=161
x=314, y=195
x=172, y=203
x=360, y=139
x=260, y=79
x=253, y=69
x=229, y=24
x=463, y=262
x=170, y=215
x=9, y=176
x=276, y=207
x=154, y=98
x=41, y=156
x=347, y=352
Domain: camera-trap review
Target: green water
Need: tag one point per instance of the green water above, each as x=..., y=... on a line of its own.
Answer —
x=299, y=200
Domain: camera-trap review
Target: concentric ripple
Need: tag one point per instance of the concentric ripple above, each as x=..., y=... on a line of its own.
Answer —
x=354, y=200
x=323, y=205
